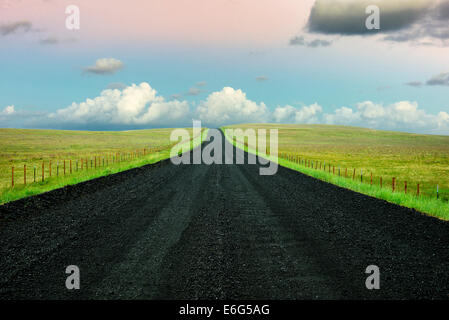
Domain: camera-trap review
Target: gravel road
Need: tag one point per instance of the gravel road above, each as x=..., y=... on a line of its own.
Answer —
x=218, y=232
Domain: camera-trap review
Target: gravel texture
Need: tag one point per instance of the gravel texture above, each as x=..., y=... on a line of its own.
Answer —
x=218, y=232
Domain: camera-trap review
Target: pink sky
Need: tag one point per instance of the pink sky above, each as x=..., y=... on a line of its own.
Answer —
x=217, y=22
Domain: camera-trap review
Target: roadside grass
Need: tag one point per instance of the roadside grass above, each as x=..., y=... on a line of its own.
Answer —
x=157, y=142
x=426, y=203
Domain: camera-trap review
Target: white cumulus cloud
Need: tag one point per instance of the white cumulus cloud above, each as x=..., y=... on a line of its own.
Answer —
x=134, y=105
x=139, y=106
x=305, y=114
x=8, y=110
x=230, y=106
x=402, y=115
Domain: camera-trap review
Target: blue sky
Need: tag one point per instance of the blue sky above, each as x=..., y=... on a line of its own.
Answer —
x=39, y=80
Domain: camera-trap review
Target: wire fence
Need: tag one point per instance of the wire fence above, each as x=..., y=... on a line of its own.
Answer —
x=365, y=176
x=27, y=174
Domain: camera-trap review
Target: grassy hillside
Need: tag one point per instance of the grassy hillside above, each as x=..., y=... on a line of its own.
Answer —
x=413, y=158
x=114, y=152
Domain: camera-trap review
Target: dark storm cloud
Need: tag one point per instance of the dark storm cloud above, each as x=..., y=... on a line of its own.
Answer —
x=14, y=27
x=400, y=21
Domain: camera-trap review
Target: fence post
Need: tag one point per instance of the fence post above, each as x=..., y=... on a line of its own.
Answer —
x=70, y=166
x=12, y=176
x=381, y=182
x=405, y=187
x=49, y=168
x=34, y=173
x=438, y=195
x=393, y=184
x=417, y=190
x=25, y=174
x=371, y=183
x=353, y=175
x=64, y=167
x=43, y=171
x=361, y=175
x=57, y=168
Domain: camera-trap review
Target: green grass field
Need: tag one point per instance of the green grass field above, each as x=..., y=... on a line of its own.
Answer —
x=413, y=158
x=114, y=151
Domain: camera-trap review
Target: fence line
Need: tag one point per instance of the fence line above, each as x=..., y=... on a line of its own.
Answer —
x=313, y=164
x=104, y=161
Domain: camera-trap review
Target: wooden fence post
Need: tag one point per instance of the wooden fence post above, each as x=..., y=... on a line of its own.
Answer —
x=438, y=194
x=43, y=170
x=393, y=184
x=70, y=166
x=12, y=176
x=49, y=167
x=353, y=175
x=417, y=190
x=25, y=174
x=405, y=187
x=64, y=167
x=381, y=182
x=371, y=183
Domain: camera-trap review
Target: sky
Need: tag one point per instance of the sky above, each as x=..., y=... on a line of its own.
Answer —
x=161, y=63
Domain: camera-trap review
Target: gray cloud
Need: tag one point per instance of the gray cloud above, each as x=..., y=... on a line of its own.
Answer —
x=176, y=96
x=318, y=43
x=105, y=66
x=261, y=78
x=300, y=41
x=414, y=83
x=441, y=79
x=400, y=21
x=194, y=91
x=55, y=41
x=201, y=83
x=14, y=27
